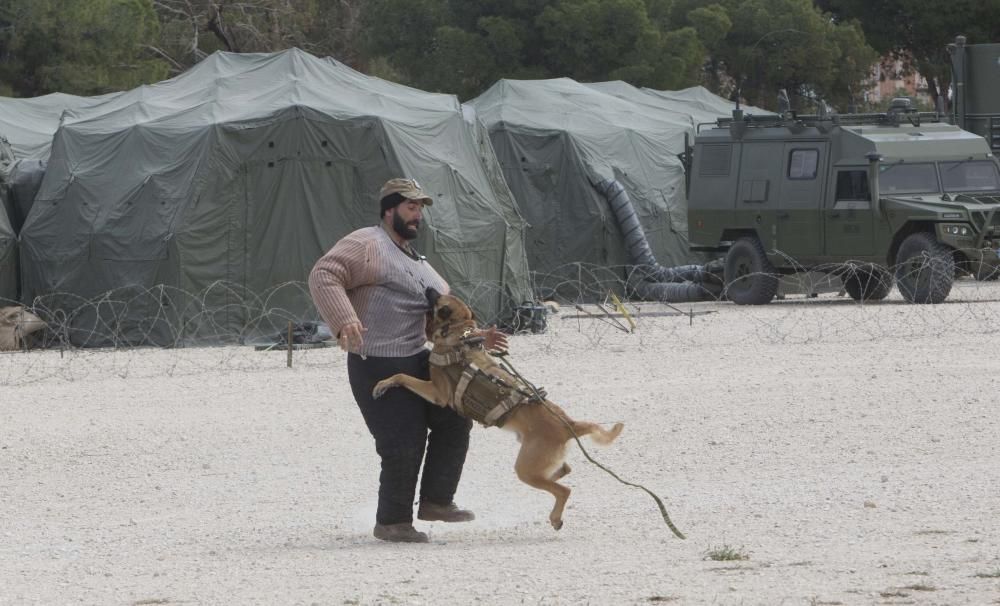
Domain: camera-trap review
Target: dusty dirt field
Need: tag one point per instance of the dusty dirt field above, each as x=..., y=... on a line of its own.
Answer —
x=849, y=452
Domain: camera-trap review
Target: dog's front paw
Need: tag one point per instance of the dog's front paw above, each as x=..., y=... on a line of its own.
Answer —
x=381, y=387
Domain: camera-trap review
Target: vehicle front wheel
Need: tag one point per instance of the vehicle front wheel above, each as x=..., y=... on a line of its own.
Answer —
x=925, y=269
x=750, y=278
x=867, y=282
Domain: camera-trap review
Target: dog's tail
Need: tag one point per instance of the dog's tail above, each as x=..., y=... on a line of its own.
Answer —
x=597, y=433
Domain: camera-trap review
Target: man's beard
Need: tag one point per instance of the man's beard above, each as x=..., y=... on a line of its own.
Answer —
x=403, y=229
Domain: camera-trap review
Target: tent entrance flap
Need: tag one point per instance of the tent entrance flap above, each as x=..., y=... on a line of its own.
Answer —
x=293, y=211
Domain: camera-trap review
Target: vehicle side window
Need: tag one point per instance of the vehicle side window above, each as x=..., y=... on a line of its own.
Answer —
x=802, y=164
x=715, y=160
x=853, y=185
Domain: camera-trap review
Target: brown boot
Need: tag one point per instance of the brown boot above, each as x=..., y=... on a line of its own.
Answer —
x=399, y=533
x=432, y=512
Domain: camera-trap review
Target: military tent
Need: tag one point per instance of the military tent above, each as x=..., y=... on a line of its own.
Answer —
x=8, y=236
x=700, y=104
x=26, y=129
x=28, y=126
x=8, y=261
x=560, y=142
x=197, y=206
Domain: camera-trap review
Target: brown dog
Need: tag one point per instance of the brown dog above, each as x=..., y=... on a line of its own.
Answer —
x=462, y=375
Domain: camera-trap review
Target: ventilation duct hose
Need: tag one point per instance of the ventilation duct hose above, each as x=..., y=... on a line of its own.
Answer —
x=673, y=292
x=651, y=280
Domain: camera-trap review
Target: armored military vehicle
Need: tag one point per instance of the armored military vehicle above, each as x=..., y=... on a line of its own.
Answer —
x=872, y=198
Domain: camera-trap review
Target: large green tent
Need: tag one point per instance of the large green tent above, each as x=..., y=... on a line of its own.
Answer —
x=26, y=130
x=197, y=206
x=8, y=260
x=8, y=236
x=700, y=104
x=29, y=124
x=560, y=142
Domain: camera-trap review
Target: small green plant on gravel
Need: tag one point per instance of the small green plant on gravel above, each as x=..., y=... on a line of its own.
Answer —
x=988, y=575
x=726, y=553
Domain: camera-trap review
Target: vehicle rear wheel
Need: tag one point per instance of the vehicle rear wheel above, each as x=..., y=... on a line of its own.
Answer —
x=925, y=269
x=867, y=282
x=750, y=278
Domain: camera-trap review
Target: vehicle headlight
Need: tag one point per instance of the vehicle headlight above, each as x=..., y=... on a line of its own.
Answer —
x=957, y=230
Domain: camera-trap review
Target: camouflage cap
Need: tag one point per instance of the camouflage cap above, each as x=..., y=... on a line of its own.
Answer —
x=408, y=188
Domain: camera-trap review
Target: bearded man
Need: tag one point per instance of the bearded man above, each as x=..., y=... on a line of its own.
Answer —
x=370, y=289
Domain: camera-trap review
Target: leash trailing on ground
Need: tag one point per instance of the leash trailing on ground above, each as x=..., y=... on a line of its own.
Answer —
x=540, y=395
x=607, y=320
x=621, y=308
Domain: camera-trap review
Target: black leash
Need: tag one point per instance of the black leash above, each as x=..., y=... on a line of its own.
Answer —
x=501, y=356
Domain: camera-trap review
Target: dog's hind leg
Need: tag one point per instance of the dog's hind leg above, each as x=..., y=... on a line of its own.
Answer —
x=532, y=467
x=561, y=472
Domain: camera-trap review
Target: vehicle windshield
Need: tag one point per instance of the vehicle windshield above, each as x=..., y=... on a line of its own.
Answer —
x=970, y=175
x=906, y=178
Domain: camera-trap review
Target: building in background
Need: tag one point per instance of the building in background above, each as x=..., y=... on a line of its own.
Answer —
x=890, y=80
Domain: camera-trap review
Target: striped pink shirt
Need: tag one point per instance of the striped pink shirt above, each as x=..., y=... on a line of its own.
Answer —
x=366, y=277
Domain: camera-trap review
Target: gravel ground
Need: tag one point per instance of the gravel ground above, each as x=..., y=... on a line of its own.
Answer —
x=848, y=453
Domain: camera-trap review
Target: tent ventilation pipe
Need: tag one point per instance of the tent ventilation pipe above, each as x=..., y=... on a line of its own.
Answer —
x=651, y=280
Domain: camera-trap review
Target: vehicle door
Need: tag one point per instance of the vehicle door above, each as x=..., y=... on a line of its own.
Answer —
x=799, y=221
x=759, y=187
x=848, y=220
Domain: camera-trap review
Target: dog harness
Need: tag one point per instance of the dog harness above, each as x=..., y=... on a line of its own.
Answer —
x=484, y=398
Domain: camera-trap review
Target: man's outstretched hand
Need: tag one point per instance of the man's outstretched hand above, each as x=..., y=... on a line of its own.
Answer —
x=495, y=339
x=350, y=338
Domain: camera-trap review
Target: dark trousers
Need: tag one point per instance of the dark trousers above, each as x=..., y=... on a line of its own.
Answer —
x=399, y=421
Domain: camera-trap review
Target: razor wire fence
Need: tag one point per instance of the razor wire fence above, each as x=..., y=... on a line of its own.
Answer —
x=164, y=331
